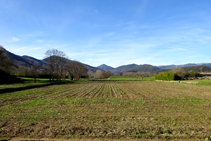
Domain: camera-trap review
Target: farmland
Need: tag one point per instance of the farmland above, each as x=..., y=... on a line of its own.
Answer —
x=106, y=109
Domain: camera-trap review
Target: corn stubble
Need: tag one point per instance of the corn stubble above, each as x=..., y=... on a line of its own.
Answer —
x=129, y=109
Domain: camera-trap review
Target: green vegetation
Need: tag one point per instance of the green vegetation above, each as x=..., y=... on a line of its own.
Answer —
x=188, y=69
x=106, y=109
x=193, y=74
x=205, y=82
x=176, y=74
x=122, y=78
x=197, y=69
x=169, y=76
x=144, y=68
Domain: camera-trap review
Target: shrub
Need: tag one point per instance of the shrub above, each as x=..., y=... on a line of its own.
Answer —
x=165, y=76
x=193, y=74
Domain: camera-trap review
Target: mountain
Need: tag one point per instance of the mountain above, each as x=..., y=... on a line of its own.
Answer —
x=130, y=68
x=187, y=69
x=167, y=66
x=105, y=67
x=24, y=61
x=28, y=61
x=197, y=69
x=145, y=68
x=184, y=65
x=32, y=60
x=87, y=67
x=123, y=68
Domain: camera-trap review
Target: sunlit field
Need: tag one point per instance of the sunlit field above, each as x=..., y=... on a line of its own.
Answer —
x=106, y=109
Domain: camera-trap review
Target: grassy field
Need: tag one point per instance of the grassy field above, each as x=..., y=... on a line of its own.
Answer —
x=121, y=78
x=106, y=109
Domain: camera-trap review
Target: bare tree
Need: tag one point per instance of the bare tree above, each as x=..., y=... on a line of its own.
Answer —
x=90, y=74
x=34, y=71
x=56, y=61
x=108, y=74
x=99, y=74
x=76, y=69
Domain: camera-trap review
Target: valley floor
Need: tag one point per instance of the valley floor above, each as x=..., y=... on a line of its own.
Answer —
x=105, y=110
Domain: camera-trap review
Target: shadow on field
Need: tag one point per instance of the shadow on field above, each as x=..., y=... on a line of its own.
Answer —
x=7, y=90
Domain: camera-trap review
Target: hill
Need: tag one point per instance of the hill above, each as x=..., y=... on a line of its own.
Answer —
x=105, y=67
x=187, y=69
x=32, y=60
x=198, y=69
x=123, y=68
x=145, y=68
x=87, y=67
x=24, y=61
x=28, y=61
x=184, y=65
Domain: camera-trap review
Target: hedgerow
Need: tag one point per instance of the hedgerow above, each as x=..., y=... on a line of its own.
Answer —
x=175, y=76
x=165, y=76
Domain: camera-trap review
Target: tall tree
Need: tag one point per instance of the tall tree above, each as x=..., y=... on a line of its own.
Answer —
x=56, y=63
x=76, y=69
x=108, y=74
x=34, y=71
x=179, y=73
x=99, y=74
x=90, y=74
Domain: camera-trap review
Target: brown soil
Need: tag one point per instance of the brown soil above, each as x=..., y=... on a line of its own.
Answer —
x=46, y=139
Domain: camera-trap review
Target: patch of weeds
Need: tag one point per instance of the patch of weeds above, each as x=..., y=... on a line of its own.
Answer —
x=140, y=100
x=204, y=82
x=34, y=102
x=208, y=139
x=114, y=100
x=72, y=100
x=95, y=101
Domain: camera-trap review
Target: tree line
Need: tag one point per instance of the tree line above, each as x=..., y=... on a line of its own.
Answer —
x=176, y=74
x=99, y=74
x=57, y=67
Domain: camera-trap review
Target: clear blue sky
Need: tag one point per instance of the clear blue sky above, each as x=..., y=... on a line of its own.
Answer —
x=113, y=32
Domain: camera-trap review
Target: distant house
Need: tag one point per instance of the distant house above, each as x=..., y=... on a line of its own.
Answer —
x=206, y=73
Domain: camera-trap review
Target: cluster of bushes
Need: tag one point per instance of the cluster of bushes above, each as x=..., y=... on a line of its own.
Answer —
x=165, y=76
x=193, y=74
x=99, y=74
x=176, y=74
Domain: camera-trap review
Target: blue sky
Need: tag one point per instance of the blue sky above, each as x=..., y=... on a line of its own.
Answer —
x=113, y=32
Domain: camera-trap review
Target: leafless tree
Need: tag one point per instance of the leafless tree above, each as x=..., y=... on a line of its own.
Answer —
x=90, y=74
x=99, y=74
x=56, y=61
x=35, y=71
x=76, y=69
x=108, y=74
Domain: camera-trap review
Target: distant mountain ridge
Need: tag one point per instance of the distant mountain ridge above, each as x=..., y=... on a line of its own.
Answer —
x=123, y=68
x=130, y=68
x=191, y=68
x=145, y=68
x=184, y=65
x=25, y=61
x=105, y=67
x=153, y=69
x=28, y=61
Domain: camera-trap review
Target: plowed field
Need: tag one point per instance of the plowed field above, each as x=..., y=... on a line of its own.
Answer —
x=106, y=109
